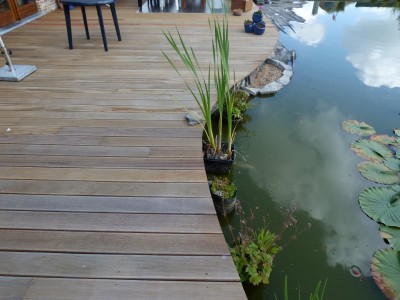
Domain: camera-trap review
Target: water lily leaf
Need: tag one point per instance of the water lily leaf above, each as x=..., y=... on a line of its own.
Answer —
x=397, y=132
x=382, y=204
x=384, y=139
x=377, y=172
x=392, y=163
x=385, y=269
x=391, y=235
x=359, y=128
x=370, y=150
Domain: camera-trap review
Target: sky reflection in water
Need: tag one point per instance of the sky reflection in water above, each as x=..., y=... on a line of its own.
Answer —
x=296, y=152
x=372, y=39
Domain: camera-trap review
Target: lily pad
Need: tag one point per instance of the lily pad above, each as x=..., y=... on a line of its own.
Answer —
x=384, y=139
x=377, y=172
x=359, y=128
x=397, y=132
x=385, y=269
x=382, y=204
x=392, y=236
x=392, y=163
x=371, y=150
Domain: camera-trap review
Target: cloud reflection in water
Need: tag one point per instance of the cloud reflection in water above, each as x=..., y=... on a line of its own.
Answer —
x=374, y=46
x=310, y=164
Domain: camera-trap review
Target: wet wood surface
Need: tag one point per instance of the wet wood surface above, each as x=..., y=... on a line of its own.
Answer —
x=103, y=193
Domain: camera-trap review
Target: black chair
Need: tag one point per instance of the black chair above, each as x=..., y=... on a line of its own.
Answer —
x=83, y=4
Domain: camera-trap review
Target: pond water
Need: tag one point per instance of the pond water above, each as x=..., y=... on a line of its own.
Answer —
x=347, y=67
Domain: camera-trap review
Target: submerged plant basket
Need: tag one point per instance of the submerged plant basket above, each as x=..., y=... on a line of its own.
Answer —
x=217, y=165
x=223, y=206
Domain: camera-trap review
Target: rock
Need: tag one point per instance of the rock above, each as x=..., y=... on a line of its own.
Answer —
x=271, y=88
x=288, y=73
x=251, y=91
x=193, y=118
x=284, y=80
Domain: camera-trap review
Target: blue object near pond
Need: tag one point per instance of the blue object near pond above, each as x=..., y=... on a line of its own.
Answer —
x=249, y=28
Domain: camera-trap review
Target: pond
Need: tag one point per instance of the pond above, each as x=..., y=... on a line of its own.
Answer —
x=296, y=153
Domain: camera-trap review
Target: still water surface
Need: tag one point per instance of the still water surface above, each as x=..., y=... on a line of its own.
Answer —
x=347, y=67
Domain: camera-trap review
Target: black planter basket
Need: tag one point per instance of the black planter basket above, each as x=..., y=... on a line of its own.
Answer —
x=223, y=206
x=216, y=165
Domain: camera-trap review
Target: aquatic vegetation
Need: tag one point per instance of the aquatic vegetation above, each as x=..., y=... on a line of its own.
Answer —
x=360, y=128
x=317, y=294
x=371, y=150
x=381, y=204
x=391, y=235
x=199, y=84
x=253, y=250
x=378, y=172
x=385, y=269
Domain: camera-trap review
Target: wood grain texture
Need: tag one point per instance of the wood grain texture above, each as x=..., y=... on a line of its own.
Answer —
x=103, y=193
x=113, y=243
x=100, y=289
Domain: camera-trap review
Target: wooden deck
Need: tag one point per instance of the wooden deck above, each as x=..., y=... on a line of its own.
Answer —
x=103, y=193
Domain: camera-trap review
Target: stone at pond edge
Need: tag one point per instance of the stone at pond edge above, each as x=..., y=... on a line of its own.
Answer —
x=251, y=91
x=271, y=88
x=284, y=80
x=193, y=118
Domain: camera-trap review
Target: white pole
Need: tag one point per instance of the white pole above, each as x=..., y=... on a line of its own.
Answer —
x=8, y=59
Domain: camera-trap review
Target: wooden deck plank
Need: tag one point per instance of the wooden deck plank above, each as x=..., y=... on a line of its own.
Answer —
x=109, y=175
x=95, y=151
x=113, y=243
x=99, y=289
x=112, y=222
x=121, y=162
x=90, y=188
x=110, y=266
x=98, y=168
x=133, y=204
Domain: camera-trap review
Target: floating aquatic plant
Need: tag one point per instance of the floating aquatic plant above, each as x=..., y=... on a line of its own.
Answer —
x=357, y=127
x=392, y=163
x=384, y=139
x=378, y=172
x=382, y=204
x=391, y=235
x=385, y=269
x=371, y=150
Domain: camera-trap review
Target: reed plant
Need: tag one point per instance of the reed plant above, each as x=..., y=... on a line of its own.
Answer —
x=317, y=294
x=200, y=87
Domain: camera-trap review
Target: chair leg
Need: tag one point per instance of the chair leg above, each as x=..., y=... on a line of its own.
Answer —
x=103, y=32
x=68, y=24
x=114, y=15
x=83, y=9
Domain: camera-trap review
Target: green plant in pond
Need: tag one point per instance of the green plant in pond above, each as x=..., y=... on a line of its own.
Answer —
x=240, y=104
x=385, y=269
x=382, y=204
x=391, y=236
x=317, y=294
x=378, y=172
x=253, y=250
x=371, y=150
x=200, y=89
x=254, y=256
x=223, y=187
x=360, y=128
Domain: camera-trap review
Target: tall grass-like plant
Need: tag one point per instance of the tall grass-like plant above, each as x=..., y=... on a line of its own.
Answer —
x=201, y=89
x=317, y=294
